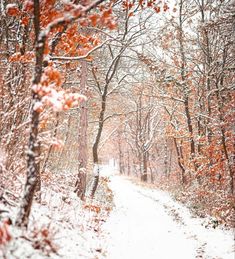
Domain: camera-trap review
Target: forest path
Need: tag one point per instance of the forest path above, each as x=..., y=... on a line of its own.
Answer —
x=148, y=224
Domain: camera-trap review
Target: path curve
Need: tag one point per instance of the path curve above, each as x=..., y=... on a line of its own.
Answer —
x=148, y=224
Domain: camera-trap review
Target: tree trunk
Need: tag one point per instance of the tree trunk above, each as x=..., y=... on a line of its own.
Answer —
x=165, y=158
x=222, y=130
x=33, y=153
x=96, y=144
x=80, y=185
x=144, y=175
x=45, y=163
x=206, y=67
x=128, y=163
x=121, y=167
x=186, y=90
x=110, y=74
x=180, y=160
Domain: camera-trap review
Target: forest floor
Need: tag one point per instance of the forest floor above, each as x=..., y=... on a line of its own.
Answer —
x=148, y=223
x=60, y=226
x=125, y=221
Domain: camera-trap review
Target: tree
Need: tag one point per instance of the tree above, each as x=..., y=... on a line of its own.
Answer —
x=33, y=146
x=110, y=81
x=82, y=141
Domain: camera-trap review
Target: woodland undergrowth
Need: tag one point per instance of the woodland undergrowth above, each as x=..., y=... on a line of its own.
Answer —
x=216, y=206
x=61, y=225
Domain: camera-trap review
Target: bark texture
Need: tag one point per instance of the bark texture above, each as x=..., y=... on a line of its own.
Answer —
x=33, y=153
x=80, y=185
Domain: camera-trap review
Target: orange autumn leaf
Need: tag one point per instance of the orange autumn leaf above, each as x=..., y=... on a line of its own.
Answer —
x=69, y=102
x=4, y=233
x=83, y=22
x=94, y=19
x=89, y=58
x=43, y=124
x=165, y=7
x=125, y=4
x=112, y=25
x=28, y=6
x=93, y=208
x=50, y=2
x=157, y=9
x=12, y=10
x=57, y=144
x=25, y=20
x=141, y=2
x=15, y=57
x=45, y=232
x=38, y=107
x=107, y=13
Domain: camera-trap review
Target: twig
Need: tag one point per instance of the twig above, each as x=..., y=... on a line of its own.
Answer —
x=81, y=57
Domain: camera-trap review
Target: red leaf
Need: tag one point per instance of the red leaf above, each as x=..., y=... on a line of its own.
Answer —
x=12, y=10
x=94, y=19
x=25, y=20
x=157, y=9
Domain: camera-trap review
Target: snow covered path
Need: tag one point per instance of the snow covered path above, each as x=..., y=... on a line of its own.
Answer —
x=148, y=224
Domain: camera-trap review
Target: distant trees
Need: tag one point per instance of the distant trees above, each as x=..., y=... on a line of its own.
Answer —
x=187, y=84
x=142, y=125
x=192, y=92
x=107, y=80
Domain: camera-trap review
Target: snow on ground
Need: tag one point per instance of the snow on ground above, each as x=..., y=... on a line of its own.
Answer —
x=70, y=230
x=149, y=224
x=61, y=226
x=145, y=224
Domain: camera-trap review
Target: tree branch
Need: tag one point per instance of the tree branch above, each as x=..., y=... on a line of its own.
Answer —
x=81, y=57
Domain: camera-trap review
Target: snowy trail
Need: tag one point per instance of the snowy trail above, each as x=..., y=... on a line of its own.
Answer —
x=148, y=224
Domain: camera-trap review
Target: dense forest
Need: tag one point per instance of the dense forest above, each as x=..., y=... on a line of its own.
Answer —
x=145, y=86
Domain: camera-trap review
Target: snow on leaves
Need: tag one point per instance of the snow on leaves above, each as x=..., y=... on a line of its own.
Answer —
x=26, y=58
x=58, y=100
x=12, y=10
x=131, y=6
